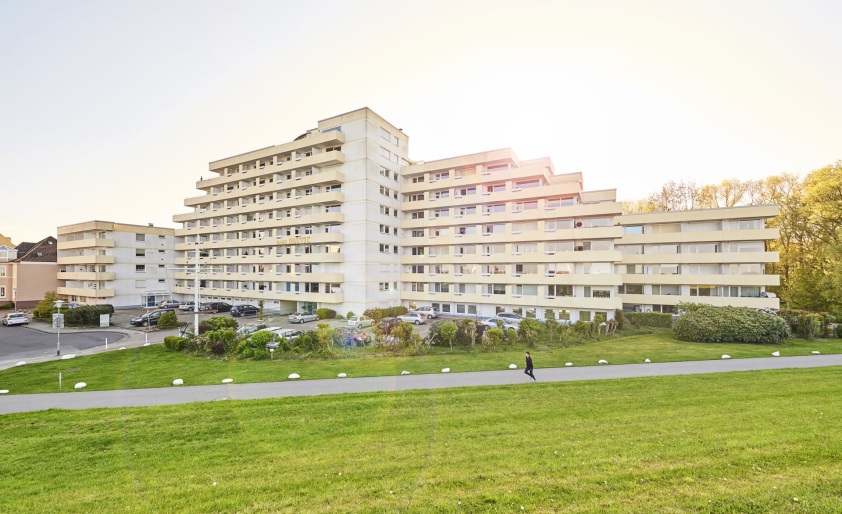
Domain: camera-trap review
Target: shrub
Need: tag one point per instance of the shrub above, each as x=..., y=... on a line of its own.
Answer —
x=650, y=319
x=494, y=335
x=730, y=325
x=219, y=322
x=808, y=325
x=530, y=330
x=167, y=320
x=620, y=318
x=85, y=315
x=448, y=332
x=325, y=313
x=391, y=312
x=7, y=305
x=226, y=337
x=45, y=308
x=350, y=314
x=175, y=343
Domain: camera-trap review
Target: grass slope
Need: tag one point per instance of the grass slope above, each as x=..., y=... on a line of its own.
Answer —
x=736, y=442
x=155, y=366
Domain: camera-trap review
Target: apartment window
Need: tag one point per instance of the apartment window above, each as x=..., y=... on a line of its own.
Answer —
x=333, y=208
x=631, y=249
x=743, y=246
x=702, y=248
x=593, y=222
x=596, y=268
x=418, y=179
x=561, y=268
x=385, y=191
x=442, y=193
x=743, y=224
x=632, y=230
x=441, y=213
x=384, y=172
x=553, y=225
x=467, y=230
x=499, y=207
x=665, y=228
x=521, y=248
x=527, y=184
x=495, y=188
x=417, y=250
x=388, y=136
x=497, y=167
x=140, y=268
x=417, y=233
x=524, y=290
x=704, y=291
x=559, y=290
x=497, y=288
x=385, y=210
x=2, y=271
x=631, y=289
x=386, y=154
x=418, y=197
x=558, y=246
x=466, y=191
x=468, y=210
x=526, y=269
x=140, y=237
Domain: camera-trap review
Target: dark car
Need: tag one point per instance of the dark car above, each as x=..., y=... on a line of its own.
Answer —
x=150, y=318
x=215, y=307
x=387, y=324
x=244, y=310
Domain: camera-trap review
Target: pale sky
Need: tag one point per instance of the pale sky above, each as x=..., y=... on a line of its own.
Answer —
x=111, y=110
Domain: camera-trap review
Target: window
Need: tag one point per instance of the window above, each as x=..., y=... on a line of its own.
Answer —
x=440, y=213
x=386, y=154
x=526, y=184
x=388, y=136
x=665, y=228
x=632, y=230
x=418, y=180
x=417, y=215
x=2, y=291
x=495, y=188
x=385, y=191
x=442, y=193
x=417, y=233
x=497, y=167
x=631, y=289
x=140, y=268
x=441, y=175
x=553, y=225
x=559, y=290
x=2, y=271
x=418, y=197
x=466, y=191
x=140, y=237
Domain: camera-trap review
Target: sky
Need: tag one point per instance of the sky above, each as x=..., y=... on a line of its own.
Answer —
x=112, y=110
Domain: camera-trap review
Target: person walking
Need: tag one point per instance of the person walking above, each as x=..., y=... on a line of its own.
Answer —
x=528, y=370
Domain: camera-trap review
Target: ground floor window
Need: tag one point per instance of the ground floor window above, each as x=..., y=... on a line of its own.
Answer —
x=584, y=315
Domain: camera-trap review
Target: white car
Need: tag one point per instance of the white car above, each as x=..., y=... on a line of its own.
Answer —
x=15, y=318
x=496, y=322
x=429, y=312
x=413, y=317
x=360, y=321
x=300, y=317
x=510, y=317
x=187, y=306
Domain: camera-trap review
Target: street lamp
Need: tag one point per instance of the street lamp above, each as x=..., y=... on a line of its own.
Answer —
x=58, y=321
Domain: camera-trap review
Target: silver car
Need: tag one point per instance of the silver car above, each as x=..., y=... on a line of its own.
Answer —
x=413, y=317
x=300, y=317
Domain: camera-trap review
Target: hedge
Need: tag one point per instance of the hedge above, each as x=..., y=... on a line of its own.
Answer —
x=650, y=319
x=85, y=315
x=390, y=312
x=710, y=324
x=325, y=313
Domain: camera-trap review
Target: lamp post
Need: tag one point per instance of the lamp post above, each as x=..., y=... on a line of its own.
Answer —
x=58, y=322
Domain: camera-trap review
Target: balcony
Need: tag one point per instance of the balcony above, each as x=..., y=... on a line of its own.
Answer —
x=85, y=275
x=85, y=292
x=88, y=242
x=86, y=259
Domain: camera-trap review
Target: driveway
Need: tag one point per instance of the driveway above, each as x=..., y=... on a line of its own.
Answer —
x=27, y=343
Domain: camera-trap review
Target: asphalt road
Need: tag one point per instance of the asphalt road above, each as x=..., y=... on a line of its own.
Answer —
x=186, y=394
x=22, y=342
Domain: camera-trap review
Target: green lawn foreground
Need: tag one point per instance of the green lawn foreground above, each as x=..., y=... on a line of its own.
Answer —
x=155, y=366
x=766, y=441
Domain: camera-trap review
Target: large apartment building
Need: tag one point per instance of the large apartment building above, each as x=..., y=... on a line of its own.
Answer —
x=102, y=262
x=341, y=218
x=305, y=224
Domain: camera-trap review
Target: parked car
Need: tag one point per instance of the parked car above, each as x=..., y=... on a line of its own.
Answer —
x=349, y=336
x=360, y=321
x=169, y=304
x=429, y=312
x=150, y=318
x=495, y=323
x=280, y=334
x=187, y=306
x=510, y=316
x=215, y=307
x=249, y=330
x=413, y=317
x=244, y=310
x=301, y=317
x=387, y=324
x=15, y=318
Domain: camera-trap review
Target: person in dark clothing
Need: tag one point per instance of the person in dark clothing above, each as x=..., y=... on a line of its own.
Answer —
x=528, y=370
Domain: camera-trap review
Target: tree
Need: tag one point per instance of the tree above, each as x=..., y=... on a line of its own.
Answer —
x=448, y=332
x=45, y=308
x=168, y=320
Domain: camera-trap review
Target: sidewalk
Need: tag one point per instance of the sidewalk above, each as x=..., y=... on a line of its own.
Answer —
x=190, y=394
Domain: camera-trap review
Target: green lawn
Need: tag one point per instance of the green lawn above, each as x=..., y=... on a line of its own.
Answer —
x=734, y=442
x=155, y=366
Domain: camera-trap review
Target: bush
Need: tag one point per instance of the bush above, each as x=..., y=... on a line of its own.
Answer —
x=175, y=343
x=350, y=314
x=167, y=320
x=85, y=315
x=530, y=330
x=45, y=308
x=730, y=325
x=808, y=325
x=650, y=319
x=325, y=313
x=7, y=305
x=620, y=318
x=391, y=312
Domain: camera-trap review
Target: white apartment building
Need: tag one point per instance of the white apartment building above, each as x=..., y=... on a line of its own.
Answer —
x=102, y=262
x=306, y=224
x=340, y=218
x=713, y=256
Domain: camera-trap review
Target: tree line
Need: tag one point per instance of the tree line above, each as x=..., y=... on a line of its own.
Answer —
x=810, y=225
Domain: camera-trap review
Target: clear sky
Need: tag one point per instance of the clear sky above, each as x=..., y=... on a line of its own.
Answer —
x=112, y=109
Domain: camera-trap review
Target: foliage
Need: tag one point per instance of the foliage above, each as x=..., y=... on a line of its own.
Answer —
x=260, y=309
x=530, y=330
x=650, y=319
x=808, y=325
x=167, y=320
x=325, y=313
x=217, y=323
x=174, y=343
x=391, y=312
x=730, y=324
x=350, y=314
x=85, y=315
x=620, y=318
x=45, y=308
x=448, y=332
x=223, y=340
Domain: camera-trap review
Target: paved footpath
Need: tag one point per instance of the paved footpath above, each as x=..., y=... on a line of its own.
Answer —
x=187, y=394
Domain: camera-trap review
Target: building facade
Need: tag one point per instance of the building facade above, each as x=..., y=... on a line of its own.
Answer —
x=27, y=272
x=102, y=262
x=341, y=218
